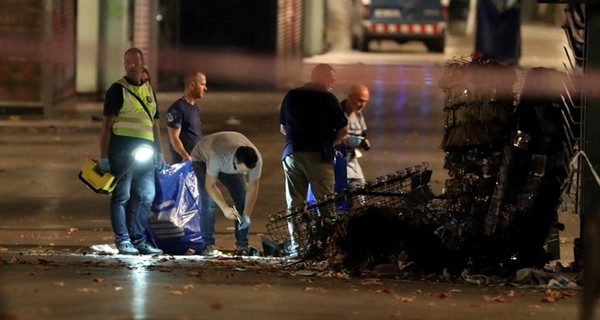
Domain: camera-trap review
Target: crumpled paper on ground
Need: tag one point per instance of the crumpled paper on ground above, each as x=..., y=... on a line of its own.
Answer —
x=104, y=249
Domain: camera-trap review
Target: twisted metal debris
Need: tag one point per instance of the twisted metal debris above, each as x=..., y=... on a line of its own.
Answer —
x=509, y=137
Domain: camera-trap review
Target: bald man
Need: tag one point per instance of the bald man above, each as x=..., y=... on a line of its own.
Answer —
x=312, y=121
x=131, y=121
x=357, y=141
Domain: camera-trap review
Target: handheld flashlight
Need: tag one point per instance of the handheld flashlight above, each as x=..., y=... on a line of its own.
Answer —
x=143, y=153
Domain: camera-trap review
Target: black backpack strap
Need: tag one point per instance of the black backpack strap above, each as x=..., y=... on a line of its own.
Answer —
x=140, y=100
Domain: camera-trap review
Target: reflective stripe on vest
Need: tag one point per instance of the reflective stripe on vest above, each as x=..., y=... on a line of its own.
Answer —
x=133, y=121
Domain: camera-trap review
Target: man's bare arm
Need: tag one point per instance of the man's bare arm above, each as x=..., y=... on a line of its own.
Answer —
x=107, y=123
x=177, y=144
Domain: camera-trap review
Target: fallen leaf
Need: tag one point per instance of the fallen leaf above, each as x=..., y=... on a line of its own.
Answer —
x=216, y=304
x=553, y=296
x=188, y=287
x=315, y=289
x=407, y=299
x=371, y=282
x=60, y=284
x=87, y=290
x=494, y=299
x=385, y=290
x=195, y=273
x=548, y=300
x=445, y=295
x=176, y=292
x=261, y=286
x=340, y=275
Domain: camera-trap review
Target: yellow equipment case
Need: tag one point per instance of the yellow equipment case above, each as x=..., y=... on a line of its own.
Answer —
x=99, y=182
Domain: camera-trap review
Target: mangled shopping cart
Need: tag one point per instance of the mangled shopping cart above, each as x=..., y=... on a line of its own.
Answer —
x=308, y=233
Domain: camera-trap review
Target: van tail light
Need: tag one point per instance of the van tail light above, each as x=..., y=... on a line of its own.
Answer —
x=444, y=13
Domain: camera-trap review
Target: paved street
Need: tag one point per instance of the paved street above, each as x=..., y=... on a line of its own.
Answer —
x=87, y=287
x=49, y=220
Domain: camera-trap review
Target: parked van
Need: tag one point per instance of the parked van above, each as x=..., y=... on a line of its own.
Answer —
x=400, y=20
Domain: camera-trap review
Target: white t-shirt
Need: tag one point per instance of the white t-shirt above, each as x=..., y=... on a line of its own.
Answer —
x=218, y=151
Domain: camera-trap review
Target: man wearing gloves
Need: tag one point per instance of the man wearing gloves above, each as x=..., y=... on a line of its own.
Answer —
x=357, y=141
x=227, y=157
x=129, y=129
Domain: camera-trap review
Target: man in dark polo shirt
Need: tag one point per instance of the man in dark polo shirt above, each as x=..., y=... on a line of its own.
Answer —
x=183, y=118
x=312, y=121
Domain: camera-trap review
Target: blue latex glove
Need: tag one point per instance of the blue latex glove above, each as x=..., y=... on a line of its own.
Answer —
x=160, y=161
x=104, y=165
x=354, y=140
x=244, y=222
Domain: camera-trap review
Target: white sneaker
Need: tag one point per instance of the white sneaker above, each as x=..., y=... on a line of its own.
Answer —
x=211, y=251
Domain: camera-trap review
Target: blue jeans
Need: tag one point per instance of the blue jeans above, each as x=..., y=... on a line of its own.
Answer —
x=133, y=195
x=236, y=185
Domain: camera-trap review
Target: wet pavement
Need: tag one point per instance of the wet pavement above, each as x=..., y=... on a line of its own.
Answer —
x=86, y=287
x=49, y=220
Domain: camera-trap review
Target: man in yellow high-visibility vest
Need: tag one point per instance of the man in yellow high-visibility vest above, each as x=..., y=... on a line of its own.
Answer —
x=130, y=123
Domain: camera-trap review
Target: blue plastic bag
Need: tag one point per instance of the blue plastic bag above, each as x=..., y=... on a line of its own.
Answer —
x=174, y=224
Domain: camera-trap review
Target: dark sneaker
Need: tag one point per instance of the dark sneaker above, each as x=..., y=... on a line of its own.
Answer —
x=242, y=251
x=211, y=251
x=145, y=248
x=127, y=248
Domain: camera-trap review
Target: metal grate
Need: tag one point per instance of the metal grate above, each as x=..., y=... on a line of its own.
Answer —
x=306, y=232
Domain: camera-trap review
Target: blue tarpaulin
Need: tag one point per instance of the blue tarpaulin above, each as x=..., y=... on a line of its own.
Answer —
x=174, y=224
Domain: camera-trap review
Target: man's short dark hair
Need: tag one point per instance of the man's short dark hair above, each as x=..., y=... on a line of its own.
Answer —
x=191, y=76
x=247, y=156
x=136, y=51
